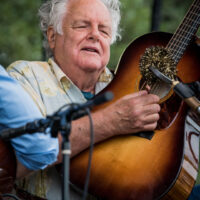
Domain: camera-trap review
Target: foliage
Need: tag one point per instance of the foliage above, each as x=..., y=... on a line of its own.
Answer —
x=21, y=38
x=136, y=21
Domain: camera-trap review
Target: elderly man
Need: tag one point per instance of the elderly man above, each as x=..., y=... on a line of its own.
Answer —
x=78, y=36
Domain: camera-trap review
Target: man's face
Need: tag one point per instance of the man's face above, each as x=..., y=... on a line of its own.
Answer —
x=85, y=43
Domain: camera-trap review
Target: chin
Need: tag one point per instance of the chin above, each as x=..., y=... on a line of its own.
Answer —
x=92, y=67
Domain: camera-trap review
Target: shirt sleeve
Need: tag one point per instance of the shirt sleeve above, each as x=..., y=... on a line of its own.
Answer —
x=34, y=151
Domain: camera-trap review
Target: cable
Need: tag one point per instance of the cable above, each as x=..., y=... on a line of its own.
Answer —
x=10, y=195
x=77, y=189
x=65, y=105
x=90, y=154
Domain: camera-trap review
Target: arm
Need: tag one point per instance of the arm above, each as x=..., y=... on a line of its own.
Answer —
x=33, y=151
x=130, y=114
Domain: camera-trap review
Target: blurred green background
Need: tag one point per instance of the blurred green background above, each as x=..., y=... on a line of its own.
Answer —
x=21, y=39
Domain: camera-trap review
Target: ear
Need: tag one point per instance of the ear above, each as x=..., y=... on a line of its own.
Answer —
x=51, y=37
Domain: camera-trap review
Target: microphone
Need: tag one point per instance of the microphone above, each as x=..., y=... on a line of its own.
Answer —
x=74, y=111
x=181, y=89
x=79, y=110
x=103, y=98
x=31, y=127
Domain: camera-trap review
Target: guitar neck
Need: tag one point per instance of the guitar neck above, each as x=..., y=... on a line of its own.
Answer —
x=185, y=31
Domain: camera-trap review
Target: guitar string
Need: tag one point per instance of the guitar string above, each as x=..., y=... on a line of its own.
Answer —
x=153, y=88
x=193, y=10
x=188, y=15
x=143, y=85
x=192, y=15
x=183, y=44
x=187, y=36
x=179, y=33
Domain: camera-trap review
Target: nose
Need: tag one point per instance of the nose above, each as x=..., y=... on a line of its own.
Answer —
x=94, y=34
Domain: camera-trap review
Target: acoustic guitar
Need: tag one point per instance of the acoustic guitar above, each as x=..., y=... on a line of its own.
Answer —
x=7, y=167
x=165, y=167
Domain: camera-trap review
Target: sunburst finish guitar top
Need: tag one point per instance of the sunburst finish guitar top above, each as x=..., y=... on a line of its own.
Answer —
x=135, y=168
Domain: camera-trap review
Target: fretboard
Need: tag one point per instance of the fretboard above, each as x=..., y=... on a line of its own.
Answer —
x=185, y=31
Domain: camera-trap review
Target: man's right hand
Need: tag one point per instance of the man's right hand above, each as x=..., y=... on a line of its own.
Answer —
x=130, y=114
x=133, y=113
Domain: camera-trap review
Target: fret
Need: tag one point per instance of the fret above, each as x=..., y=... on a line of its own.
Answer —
x=179, y=47
x=194, y=13
x=185, y=31
x=180, y=38
x=189, y=20
x=196, y=6
x=190, y=30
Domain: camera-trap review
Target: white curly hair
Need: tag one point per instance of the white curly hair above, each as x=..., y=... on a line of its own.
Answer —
x=51, y=13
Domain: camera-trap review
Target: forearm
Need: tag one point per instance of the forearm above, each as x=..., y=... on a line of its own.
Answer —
x=131, y=114
x=80, y=132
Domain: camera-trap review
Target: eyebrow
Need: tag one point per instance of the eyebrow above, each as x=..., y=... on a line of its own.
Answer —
x=80, y=21
x=88, y=22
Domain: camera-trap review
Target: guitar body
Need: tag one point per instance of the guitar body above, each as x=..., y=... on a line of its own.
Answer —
x=135, y=168
x=7, y=167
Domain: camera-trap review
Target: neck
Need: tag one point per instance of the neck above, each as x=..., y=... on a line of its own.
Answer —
x=86, y=84
x=84, y=80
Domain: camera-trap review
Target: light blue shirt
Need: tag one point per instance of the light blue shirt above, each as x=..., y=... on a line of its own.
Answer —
x=34, y=151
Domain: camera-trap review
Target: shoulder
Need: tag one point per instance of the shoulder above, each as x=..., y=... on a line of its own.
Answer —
x=3, y=71
x=23, y=65
x=28, y=70
x=6, y=82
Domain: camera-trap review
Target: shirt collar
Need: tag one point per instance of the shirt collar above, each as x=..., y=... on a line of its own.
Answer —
x=56, y=69
x=105, y=77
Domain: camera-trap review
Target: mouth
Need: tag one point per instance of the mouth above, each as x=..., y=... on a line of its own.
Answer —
x=90, y=49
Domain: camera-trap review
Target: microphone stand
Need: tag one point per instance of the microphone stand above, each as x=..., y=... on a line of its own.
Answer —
x=65, y=129
x=59, y=122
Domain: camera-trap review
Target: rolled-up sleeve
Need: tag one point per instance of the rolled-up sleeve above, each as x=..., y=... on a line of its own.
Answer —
x=34, y=151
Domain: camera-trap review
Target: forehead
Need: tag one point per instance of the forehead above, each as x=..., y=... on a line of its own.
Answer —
x=91, y=10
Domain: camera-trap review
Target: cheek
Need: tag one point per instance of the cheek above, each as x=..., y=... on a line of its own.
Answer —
x=106, y=54
x=70, y=48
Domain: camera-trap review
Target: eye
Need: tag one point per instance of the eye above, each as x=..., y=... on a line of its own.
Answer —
x=105, y=32
x=80, y=27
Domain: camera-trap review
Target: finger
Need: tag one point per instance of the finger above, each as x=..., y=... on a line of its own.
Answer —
x=136, y=94
x=148, y=88
x=148, y=99
x=144, y=101
x=151, y=109
x=150, y=119
x=150, y=127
